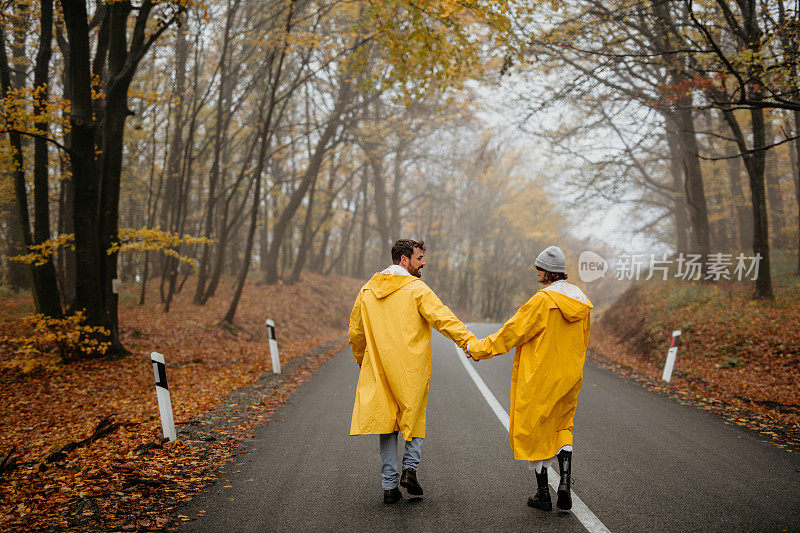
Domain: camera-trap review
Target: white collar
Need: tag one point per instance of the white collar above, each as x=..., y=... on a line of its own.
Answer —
x=568, y=289
x=397, y=270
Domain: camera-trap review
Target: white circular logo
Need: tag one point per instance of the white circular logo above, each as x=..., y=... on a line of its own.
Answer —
x=591, y=266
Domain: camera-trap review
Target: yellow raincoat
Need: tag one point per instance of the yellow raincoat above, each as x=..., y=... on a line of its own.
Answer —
x=551, y=333
x=390, y=334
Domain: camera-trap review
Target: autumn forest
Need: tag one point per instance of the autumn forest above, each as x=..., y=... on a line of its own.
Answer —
x=191, y=144
x=173, y=172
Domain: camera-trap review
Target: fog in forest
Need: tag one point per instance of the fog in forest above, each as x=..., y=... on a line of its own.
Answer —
x=197, y=145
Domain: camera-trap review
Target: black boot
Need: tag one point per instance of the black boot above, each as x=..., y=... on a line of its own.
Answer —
x=392, y=495
x=409, y=482
x=542, y=498
x=565, y=469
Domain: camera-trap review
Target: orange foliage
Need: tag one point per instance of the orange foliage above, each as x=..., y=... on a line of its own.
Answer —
x=672, y=92
x=41, y=412
x=737, y=357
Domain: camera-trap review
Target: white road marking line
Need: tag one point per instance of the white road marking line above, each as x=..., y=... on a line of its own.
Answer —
x=487, y=394
x=579, y=509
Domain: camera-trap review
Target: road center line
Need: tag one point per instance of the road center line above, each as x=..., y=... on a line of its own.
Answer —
x=579, y=509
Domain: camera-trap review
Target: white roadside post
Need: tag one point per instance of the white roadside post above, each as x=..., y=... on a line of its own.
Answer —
x=671, y=354
x=162, y=391
x=273, y=347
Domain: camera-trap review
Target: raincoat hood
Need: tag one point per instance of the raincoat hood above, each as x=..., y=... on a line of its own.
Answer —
x=571, y=301
x=382, y=285
x=390, y=334
x=550, y=332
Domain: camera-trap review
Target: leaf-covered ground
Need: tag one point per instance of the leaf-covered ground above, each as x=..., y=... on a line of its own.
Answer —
x=737, y=357
x=127, y=479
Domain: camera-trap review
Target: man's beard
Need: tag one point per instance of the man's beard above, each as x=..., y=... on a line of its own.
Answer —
x=414, y=271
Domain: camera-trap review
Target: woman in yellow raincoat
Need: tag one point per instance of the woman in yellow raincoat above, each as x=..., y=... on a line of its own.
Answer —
x=551, y=333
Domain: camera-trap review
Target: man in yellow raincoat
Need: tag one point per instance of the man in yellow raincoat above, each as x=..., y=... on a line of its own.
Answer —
x=390, y=334
x=551, y=333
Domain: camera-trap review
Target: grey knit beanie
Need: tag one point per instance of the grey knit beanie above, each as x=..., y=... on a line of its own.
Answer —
x=552, y=259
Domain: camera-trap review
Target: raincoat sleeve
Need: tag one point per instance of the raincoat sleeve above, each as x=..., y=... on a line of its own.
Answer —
x=442, y=319
x=358, y=340
x=587, y=331
x=528, y=322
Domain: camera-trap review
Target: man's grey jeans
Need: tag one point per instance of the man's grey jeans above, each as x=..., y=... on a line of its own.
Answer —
x=390, y=477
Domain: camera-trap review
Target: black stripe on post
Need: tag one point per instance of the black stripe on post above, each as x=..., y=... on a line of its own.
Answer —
x=676, y=340
x=161, y=371
x=271, y=332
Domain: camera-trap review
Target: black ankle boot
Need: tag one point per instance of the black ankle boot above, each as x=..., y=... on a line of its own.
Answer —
x=409, y=482
x=542, y=498
x=564, y=501
x=392, y=495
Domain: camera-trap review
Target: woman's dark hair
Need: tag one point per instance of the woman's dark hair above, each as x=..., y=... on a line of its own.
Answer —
x=550, y=277
x=405, y=247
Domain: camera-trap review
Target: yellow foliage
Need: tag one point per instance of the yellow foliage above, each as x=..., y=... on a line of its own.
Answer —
x=51, y=341
x=17, y=111
x=427, y=45
x=6, y=178
x=129, y=240
x=39, y=254
x=155, y=239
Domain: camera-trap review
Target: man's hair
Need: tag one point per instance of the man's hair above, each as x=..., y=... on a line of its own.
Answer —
x=405, y=247
x=550, y=277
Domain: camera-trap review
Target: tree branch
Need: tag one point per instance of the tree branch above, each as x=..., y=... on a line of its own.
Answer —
x=749, y=152
x=39, y=136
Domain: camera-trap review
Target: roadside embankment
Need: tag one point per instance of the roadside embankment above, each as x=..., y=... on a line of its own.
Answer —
x=738, y=357
x=120, y=475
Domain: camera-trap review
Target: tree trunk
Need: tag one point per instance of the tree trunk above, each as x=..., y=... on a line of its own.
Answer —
x=171, y=190
x=305, y=241
x=394, y=222
x=171, y=214
x=743, y=212
x=97, y=185
x=797, y=179
x=45, y=275
x=379, y=189
x=264, y=240
x=775, y=210
x=695, y=193
x=20, y=275
x=66, y=224
x=678, y=189
x=282, y=224
x=248, y=249
x=19, y=62
x=682, y=116
x=200, y=295
x=89, y=290
x=265, y=134
x=790, y=42
x=761, y=235
x=754, y=163
x=17, y=276
x=358, y=271
x=225, y=230
x=320, y=257
x=317, y=260
x=20, y=193
x=338, y=264
x=152, y=207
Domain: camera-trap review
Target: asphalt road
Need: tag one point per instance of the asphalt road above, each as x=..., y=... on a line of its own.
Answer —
x=642, y=462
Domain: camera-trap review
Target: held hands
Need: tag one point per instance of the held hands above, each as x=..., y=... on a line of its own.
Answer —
x=473, y=351
x=467, y=353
